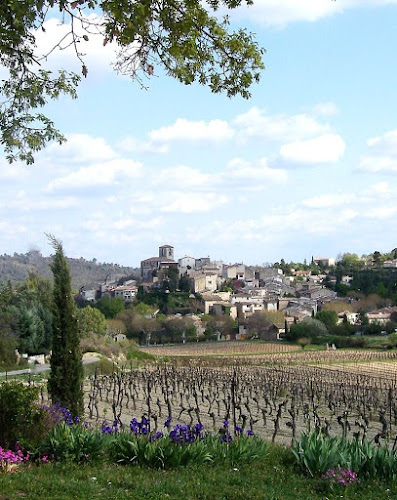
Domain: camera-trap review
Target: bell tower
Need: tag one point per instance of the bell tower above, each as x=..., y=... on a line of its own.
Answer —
x=166, y=252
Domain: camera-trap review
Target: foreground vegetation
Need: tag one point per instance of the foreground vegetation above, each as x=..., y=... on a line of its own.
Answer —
x=273, y=479
x=46, y=452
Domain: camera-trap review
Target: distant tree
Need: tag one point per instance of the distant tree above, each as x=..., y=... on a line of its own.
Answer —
x=91, y=320
x=392, y=340
x=146, y=328
x=218, y=325
x=338, y=306
x=6, y=294
x=31, y=331
x=115, y=327
x=304, y=341
x=390, y=327
x=169, y=278
x=373, y=301
x=65, y=384
x=259, y=321
x=377, y=258
x=184, y=283
x=350, y=262
x=381, y=290
x=36, y=289
x=143, y=309
x=329, y=318
x=179, y=329
x=209, y=322
x=374, y=328
x=110, y=307
x=8, y=339
x=309, y=327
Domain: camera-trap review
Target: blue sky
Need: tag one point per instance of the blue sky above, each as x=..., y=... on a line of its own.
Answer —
x=306, y=167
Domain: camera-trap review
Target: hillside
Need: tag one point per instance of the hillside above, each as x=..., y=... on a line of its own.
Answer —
x=84, y=272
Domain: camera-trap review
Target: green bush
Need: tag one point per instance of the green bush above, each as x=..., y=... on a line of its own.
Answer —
x=103, y=367
x=138, y=355
x=22, y=421
x=8, y=357
x=352, y=341
x=315, y=454
x=74, y=443
x=241, y=450
x=126, y=448
x=163, y=452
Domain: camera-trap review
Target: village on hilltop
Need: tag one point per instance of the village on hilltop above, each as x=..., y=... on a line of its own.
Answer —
x=238, y=291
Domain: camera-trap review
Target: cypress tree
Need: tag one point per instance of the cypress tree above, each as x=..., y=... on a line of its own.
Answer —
x=65, y=384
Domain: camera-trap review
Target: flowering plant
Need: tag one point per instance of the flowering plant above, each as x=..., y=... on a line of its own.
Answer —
x=9, y=459
x=343, y=477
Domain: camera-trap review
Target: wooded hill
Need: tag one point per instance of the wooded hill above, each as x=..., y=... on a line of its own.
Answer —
x=87, y=273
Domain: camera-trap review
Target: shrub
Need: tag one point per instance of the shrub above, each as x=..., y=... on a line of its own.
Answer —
x=74, y=442
x=135, y=354
x=21, y=419
x=9, y=458
x=242, y=449
x=184, y=445
x=316, y=454
x=309, y=327
x=103, y=367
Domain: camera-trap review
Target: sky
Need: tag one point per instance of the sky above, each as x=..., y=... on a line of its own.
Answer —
x=306, y=167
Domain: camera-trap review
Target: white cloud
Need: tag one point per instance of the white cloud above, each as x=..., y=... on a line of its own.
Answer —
x=110, y=173
x=133, y=145
x=381, y=188
x=327, y=148
x=381, y=212
x=282, y=12
x=326, y=109
x=257, y=123
x=80, y=148
x=255, y=174
x=183, y=177
x=328, y=200
x=15, y=170
x=31, y=204
x=382, y=154
x=213, y=131
x=385, y=144
x=378, y=164
x=192, y=202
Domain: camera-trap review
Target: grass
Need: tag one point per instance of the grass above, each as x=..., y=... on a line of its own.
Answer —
x=375, y=341
x=23, y=365
x=273, y=479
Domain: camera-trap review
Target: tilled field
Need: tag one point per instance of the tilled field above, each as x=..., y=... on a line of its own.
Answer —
x=276, y=402
x=219, y=348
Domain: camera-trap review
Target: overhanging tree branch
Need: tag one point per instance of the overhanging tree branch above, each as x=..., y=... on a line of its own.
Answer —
x=178, y=35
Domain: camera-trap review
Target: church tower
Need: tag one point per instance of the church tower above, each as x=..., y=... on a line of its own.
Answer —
x=166, y=252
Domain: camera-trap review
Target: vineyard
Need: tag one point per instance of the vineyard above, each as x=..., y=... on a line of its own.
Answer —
x=275, y=395
x=219, y=349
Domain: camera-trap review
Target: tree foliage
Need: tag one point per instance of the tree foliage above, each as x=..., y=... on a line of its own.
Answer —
x=91, y=320
x=181, y=36
x=309, y=327
x=258, y=322
x=328, y=317
x=65, y=384
x=25, y=317
x=110, y=307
